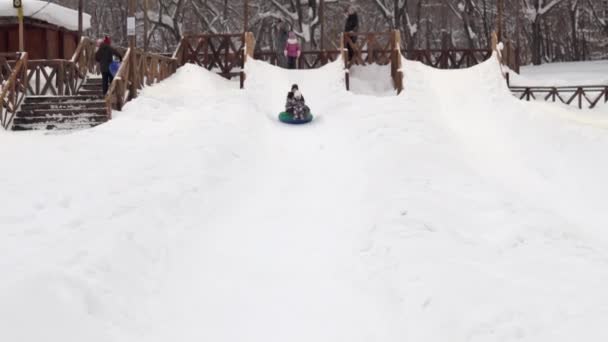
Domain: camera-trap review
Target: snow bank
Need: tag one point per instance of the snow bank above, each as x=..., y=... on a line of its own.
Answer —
x=48, y=12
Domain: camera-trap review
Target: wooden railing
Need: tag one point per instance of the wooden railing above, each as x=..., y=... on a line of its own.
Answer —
x=12, y=91
x=53, y=77
x=137, y=70
x=510, y=56
x=368, y=48
x=220, y=53
x=84, y=58
x=396, y=62
x=449, y=58
x=382, y=48
x=580, y=96
x=308, y=60
x=59, y=76
x=7, y=61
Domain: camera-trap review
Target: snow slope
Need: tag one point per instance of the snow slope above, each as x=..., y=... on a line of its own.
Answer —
x=452, y=212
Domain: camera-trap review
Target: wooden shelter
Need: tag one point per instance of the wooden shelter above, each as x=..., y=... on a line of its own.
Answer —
x=50, y=32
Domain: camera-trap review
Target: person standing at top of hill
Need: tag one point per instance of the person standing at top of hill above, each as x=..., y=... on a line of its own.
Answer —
x=283, y=36
x=104, y=56
x=352, y=25
x=292, y=50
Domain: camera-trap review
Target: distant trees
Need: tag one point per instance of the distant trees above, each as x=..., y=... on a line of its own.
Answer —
x=545, y=30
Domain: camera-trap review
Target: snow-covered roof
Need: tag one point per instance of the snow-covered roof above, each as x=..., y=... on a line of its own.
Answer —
x=47, y=12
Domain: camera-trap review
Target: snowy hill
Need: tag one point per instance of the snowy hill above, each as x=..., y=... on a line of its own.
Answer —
x=453, y=212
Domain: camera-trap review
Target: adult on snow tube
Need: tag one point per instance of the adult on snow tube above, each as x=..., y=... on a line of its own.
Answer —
x=288, y=118
x=296, y=110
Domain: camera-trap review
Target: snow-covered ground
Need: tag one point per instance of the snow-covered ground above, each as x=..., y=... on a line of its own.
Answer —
x=453, y=212
x=563, y=74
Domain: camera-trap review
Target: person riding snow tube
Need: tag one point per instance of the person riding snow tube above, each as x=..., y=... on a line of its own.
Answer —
x=296, y=110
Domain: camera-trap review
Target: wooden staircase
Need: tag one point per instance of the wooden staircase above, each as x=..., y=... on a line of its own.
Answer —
x=84, y=110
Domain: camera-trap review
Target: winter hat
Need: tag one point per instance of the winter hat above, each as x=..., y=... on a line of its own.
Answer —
x=107, y=40
x=294, y=87
x=297, y=94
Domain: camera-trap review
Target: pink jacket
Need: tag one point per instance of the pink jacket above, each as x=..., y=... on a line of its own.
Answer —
x=292, y=49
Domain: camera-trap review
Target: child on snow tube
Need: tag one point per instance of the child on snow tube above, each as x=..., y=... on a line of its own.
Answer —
x=296, y=105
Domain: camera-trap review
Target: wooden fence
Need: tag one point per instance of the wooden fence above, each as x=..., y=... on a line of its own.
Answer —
x=137, y=70
x=220, y=53
x=59, y=76
x=382, y=48
x=12, y=88
x=449, y=58
x=312, y=59
x=581, y=96
x=368, y=48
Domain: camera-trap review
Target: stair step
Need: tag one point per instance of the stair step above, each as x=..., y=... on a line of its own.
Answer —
x=87, y=86
x=93, y=81
x=63, y=105
x=51, y=120
x=73, y=98
x=90, y=92
x=60, y=112
x=55, y=126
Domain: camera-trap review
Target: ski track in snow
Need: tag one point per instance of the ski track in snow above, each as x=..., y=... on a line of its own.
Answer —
x=451, y=212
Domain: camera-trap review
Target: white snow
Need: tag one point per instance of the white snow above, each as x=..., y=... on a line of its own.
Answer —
x=563, y=74
x=372, y=79
x=452, y=212
x=48, y=12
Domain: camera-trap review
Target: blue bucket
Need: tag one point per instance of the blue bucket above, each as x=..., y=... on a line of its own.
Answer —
x=114, y=68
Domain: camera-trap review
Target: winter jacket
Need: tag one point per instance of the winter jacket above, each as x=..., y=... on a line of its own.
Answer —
x=352, y=23
x=294, y=105
x=292, y=49
x=103, y=56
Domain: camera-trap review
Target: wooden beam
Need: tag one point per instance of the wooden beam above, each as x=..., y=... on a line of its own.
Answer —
x=146, y=25
x=246, y=16
x=500, y=13
x=21, y=34
x=322, y=19
x=80, y=25
x=132, y=61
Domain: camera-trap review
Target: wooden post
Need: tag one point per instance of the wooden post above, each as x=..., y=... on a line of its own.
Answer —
x=494, y=41
x=21, y=39
x=132, y=61
x=80, y=25
x=246, y=16
x=249, y=45
x=146, y=25
x=500, y=13
x=322, y=19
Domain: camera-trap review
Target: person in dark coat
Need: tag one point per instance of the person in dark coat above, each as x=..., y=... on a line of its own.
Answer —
x=104, y=56
x=352, y=25
x=295, y=104
x=281, y=42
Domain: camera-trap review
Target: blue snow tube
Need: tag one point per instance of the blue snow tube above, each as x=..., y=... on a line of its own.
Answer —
x=114, y=68
x=288, y=119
